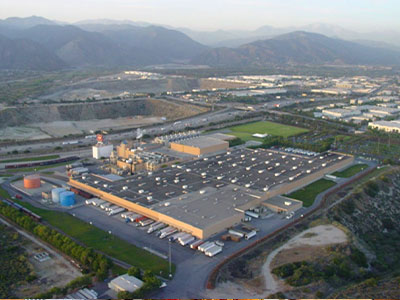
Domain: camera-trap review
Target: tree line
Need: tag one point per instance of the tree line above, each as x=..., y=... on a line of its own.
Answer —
x=87, y=257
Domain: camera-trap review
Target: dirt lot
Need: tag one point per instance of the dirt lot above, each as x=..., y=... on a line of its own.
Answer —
x=306, y=245
x=57, y=271
x=22, y=133
x=298, y=249
x=61, y=128
x=54, y=272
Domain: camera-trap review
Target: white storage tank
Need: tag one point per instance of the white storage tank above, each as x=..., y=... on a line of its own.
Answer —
x=55, y=194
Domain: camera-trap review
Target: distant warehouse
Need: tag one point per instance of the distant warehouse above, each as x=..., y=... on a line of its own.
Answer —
x=200, y=145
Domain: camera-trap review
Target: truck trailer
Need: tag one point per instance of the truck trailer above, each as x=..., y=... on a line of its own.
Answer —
x=186, y=240
x=168, y=232
x=196, y=244
x=213, y=251
x=205, y=246
x=115, y=211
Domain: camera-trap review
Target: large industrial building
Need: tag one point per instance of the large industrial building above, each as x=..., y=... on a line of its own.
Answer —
x=388, y=126
x=200, y=145
x=134, y=158
x=102, y=150
x=208, y=195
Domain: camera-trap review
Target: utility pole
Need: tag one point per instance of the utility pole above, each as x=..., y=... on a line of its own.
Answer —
x=170, y=260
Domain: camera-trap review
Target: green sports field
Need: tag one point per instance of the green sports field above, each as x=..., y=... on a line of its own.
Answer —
x=246, y=131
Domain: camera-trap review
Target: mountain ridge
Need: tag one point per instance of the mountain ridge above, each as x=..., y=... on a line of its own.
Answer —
x=298, y=47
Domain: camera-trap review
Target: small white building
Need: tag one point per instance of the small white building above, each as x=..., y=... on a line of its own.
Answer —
x=102, y=150
x=125, y=283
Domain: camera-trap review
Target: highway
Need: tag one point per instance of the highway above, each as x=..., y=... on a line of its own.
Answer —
x=49, y=147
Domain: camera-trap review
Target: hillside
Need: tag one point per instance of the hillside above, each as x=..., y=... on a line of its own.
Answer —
x=27, y=54
x=100, y=45
x=298, y=48
x=96, y=111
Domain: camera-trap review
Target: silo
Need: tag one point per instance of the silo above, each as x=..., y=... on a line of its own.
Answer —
x=67, y=198
x=55, y=194
x=32, y=181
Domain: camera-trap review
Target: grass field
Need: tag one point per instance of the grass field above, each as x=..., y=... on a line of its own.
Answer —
x=246, y=131
x=98, y=239
x=351, y=171
x=48, y=157
x=308, y=193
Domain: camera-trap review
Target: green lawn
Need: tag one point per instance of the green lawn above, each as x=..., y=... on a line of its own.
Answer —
x=48, y=157
x=351, y=171
x=246, y=131
x=98, y=239
x=308, y=193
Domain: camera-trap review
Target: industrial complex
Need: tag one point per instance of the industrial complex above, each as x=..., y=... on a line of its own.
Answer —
x=209, y=194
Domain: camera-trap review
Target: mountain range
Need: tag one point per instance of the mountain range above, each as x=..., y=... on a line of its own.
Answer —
x=37, y=43
x=299, y=48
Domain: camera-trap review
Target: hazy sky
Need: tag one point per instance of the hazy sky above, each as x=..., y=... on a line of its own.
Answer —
x=214, y=14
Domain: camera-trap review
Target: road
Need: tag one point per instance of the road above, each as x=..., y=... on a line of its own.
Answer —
x=213, y=116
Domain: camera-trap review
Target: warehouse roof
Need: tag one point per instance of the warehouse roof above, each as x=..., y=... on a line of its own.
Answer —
x=207, y=206
x=125, y=283
x=283, y=202
x=222, y=136
x=201, y=142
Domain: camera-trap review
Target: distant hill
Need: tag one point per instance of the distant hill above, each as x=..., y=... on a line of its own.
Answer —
x=23, y=23
x=27, y=55
x=298, y=48
x=102, y=44
x=161, y=41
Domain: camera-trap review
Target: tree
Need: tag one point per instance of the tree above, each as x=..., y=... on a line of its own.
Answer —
x=135, y=272
x=124, y=295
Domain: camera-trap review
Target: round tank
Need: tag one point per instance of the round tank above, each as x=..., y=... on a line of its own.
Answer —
x=67, y=198
x=55, y=194
x=32, y=181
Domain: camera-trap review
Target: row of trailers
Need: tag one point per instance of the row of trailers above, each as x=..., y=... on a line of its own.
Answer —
x=160, y=229
x=42, y=163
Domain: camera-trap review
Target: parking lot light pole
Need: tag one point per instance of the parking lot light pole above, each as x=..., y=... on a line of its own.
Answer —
x=170, y=260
